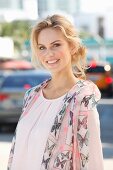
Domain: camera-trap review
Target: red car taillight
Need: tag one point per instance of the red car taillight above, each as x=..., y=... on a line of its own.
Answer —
x=109, y=80
x=3, y=97
x=27, y=86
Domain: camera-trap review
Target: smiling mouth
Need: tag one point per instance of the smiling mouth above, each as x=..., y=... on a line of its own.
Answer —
x=52, y=61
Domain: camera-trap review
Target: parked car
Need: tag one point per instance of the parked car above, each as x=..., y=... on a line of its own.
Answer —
x=2, y=73
x=13, y=64
x=12, y=91
x=100, y=74
x=1, y=78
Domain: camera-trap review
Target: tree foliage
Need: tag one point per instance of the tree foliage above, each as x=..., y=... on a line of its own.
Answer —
x=18, y=30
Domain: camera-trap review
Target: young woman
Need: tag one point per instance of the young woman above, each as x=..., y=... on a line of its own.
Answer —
x=59, y=125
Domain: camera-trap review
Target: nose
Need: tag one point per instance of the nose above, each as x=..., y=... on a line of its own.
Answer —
x=49, y=53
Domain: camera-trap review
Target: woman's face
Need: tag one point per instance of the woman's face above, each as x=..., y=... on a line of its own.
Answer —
x=53, y=50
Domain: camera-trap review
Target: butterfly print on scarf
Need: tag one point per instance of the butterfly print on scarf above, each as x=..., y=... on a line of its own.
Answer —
x=94, y=102
x=86, y=100
x=12, y=149
x=11, y=152
x=71, y=163
x=56, y=126
x=83, y=140
x=62, y=158
x=45, y=162
x=13, y=142
x=82, y=123
x=69, y=130
x=80, y=83
x=60, y=164
x=71, y=118
x=84, y=159
x=49, y=147
x=63, y=155
x=63, y=110
x=26, y=100
x=67, y=98
x=48, y=150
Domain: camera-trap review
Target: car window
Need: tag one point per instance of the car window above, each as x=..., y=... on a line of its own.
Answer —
x=97, y=69
x=20, y=81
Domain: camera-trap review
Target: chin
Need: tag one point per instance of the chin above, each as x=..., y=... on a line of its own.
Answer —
x=57, y=70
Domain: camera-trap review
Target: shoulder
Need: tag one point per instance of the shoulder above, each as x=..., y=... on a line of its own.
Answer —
x=30, y=92
x=89, y=94
x=90, y=88
x=28, y=95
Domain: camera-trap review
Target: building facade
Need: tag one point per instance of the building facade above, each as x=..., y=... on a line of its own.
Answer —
x=67, y=6
x=18, y=9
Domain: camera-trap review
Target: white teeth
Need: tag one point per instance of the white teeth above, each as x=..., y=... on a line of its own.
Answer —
x=53, y=61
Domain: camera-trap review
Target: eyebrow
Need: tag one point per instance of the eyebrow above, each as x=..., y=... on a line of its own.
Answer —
x=52, y=42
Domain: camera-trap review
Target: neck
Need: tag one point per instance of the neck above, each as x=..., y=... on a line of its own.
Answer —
x=63, y=80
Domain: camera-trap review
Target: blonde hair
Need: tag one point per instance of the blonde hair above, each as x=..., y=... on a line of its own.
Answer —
x=71, y=35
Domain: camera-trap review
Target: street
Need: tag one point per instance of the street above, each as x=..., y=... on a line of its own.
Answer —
x=105, y=109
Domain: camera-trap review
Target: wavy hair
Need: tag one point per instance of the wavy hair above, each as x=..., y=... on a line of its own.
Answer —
x=70, y=33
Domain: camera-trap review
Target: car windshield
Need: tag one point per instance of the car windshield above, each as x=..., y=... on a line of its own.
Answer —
x=21, y=81
x=97, y=69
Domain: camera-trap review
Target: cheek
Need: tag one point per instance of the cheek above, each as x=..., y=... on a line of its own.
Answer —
x=64, y=55
x=39, y=59
x=60, y=54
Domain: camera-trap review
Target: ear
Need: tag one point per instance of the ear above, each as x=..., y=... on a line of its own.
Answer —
x=73, y=50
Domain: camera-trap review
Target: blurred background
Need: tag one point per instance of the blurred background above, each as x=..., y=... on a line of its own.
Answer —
x=94, y=22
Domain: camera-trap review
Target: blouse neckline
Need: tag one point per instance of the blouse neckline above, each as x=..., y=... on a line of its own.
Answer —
x=51, y=100
x=70, y=92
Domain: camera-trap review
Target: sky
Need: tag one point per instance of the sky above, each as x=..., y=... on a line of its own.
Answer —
x=96, y=5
